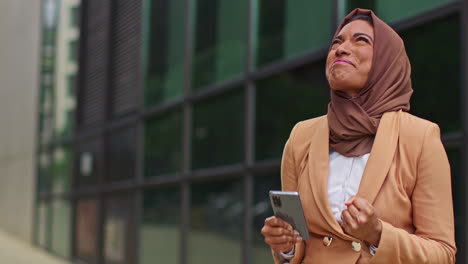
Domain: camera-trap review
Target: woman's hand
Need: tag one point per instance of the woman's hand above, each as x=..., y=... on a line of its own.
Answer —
x=361, y=221
x=279, y=235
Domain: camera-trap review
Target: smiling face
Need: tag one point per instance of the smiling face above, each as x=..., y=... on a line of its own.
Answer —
x=350, y=58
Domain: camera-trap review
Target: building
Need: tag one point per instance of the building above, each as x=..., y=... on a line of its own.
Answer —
x=161, y=123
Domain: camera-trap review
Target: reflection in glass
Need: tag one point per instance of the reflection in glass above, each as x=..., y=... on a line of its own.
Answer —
x=88, y=161
x=285, y=99
x=216, y=222
x=66, y=67
x=219, y=41
x=260, y=211
x=165, y=48
x=436, y=84
x=288, y=28
x=159, y=230
x=62, y=169
x=61, y=231
x=86, y=231
x=163, y=146
x=44, y=172
x=41, y=223
x=117, y=234
x=218, y=130
x=122, y=154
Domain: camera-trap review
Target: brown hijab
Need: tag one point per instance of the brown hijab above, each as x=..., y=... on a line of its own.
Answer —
x=354, y=121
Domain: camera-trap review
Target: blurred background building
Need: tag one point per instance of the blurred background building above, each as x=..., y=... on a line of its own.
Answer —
x=150, y=131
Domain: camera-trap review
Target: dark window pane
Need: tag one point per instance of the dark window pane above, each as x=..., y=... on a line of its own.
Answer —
x=399, y=9
x=436, y=82
x=458, y=191
x=118, y=236
x=62, y=169
x=159, y=231
x=122, y=155
x=165, y=49
x=86, y=231
x=392, y=11
x=260, y=211
x=219, y=41
x=288, y=28
x=285, y=99
x=44, y=172
x=42, y=221
x=61, y=231
x=163, y=136
x=218, y=130
x=216, y=222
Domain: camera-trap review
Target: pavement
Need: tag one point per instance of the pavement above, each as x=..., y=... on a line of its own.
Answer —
x=14, y=251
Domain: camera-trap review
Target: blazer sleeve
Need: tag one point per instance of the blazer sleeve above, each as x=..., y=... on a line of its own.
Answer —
x=289, y=183
x=433, y=240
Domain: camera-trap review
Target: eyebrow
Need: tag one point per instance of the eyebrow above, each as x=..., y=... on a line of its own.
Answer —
x=355, y=35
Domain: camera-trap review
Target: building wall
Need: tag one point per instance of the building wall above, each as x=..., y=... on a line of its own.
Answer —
x=19, y=53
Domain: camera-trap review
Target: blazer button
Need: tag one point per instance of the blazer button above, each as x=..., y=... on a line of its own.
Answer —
x=327, y=241
x=356, y=246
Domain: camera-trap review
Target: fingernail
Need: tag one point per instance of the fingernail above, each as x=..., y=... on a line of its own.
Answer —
x=296, y=233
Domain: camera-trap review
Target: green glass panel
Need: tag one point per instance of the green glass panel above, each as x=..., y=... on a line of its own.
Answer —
x=216, y=222
x=61, y=231
x=288, y=28
x=285, y=99
x=41, y=223
x=44, y=172
x=260, y=211
x=392, y=11
x=435, y=69
x=163, y=144
x=219, y=41
x=218, y=130
x=159, y=230
x=395, y=10
x=458, y=194
x=86, y=230
x=164, y=46
x=62, y=169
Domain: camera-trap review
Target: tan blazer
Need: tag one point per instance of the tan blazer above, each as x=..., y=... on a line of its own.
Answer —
x=407, y=179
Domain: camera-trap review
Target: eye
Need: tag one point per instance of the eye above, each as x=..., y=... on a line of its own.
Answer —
x=336, y=41
x=363, y=39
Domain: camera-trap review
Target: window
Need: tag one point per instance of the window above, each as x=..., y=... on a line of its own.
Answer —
x=283, y=100
x=219, y=41
x=165, y=50
x=159, y=230
x=288, y=28
x=163, y=144
x=215, y=222
x=218, y=129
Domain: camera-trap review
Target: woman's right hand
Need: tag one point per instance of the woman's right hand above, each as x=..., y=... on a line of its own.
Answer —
x=279, y=235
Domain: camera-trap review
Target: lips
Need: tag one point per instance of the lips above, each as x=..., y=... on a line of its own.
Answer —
x=344, y=61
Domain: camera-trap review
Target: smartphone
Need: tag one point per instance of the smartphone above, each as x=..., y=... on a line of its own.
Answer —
x=287, y=206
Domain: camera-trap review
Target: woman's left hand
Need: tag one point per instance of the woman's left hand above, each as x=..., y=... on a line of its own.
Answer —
x=361, y=221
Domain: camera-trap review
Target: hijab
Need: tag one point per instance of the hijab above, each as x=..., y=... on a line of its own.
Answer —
x=353, y=121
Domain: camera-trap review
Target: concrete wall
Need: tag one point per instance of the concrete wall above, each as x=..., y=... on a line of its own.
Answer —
x=19, y=71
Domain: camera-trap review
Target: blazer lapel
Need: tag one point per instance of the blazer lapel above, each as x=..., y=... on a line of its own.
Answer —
x=318, y=176
x=381, y=156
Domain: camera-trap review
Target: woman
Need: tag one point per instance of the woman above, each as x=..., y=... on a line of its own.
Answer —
x=374, y=180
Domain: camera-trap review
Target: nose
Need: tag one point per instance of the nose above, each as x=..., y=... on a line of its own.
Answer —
x=342, y=49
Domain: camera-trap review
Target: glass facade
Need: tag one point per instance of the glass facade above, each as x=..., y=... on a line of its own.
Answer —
x=183, y=176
